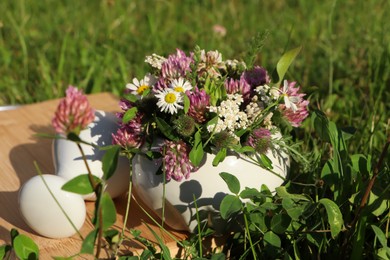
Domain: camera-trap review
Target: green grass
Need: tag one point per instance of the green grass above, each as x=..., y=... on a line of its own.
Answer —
x=344, y=65
x=100, y=46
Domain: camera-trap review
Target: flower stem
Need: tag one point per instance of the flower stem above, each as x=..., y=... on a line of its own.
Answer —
x=90, y=176
x=249, y=235
x=98, y=193
x=127, y=205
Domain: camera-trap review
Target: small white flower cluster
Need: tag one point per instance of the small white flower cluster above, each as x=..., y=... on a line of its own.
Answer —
x=253, y=109
x=155, y=60
x=230, y=118
x=267, y=94
x=235, y=64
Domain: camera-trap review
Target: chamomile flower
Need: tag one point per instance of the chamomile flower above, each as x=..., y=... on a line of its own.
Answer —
x=169, y=100
x=180, y=85
x=290, y=96
x=138, y=87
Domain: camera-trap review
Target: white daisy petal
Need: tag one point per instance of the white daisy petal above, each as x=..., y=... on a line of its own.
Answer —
x=169, y=100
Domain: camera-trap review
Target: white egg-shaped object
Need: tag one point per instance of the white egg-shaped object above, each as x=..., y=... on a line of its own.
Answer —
x=43, y=214
x=69, y=163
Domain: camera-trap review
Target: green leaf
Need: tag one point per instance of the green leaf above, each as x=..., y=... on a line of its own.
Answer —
x=25, y=247
x=241, y=132
x=14, y=233
x=280, y=223
x=383, y=253
x=88, y=244
x=232, y=182
x=63, y=258
x=212, y=121
x=186, y=103
x=250, y=193
x=246, y=149
x=272, y=239
x=283, y=193
x=321, y=125
x=297, y=255
x=335, y=218
x=166, y=129
x=196, y=154
x=80, y=184
x=73, y=137
x=130, y=97
x=133, y=257
x=230, y=205
x=260, y=220
x=112, y=236
x=218, y=256
x=359, y=238
x=361, y=164
x=108, y=211
x=4, y=249
x=219, y=157
x=146, y=92
x=110, y=161
x=285, y=62
x=293, y=209
x=266, y=162
x=380, y=235
x=165, y=250
x=129, y=115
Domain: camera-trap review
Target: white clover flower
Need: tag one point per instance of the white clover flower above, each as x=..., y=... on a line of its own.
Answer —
x=138, y=87
x=180, y=85
x=155, y=60
x=169, y=100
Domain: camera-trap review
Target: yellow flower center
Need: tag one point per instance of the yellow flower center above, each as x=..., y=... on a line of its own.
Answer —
x=170, y=98
x=179, y=89
x=141, y=89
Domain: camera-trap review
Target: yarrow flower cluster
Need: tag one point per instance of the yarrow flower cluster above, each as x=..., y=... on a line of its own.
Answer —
x=198, y=102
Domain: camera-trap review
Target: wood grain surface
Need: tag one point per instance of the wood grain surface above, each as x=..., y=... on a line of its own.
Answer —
x=20, y=148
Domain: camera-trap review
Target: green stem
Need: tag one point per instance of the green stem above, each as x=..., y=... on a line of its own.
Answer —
x=198, y=226
x=90, y=176
x=127, y=206
x=270, y=170
x=98, y=193
x=161, y=227
x=249, y=235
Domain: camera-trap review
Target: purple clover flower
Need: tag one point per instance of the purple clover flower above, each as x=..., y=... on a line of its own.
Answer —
x=240, y=86
x=260, y=140
x=257, y=76
x=129, y=135
x=73, y=113
x=176, y=160
x=176, y=65
x=199, y=102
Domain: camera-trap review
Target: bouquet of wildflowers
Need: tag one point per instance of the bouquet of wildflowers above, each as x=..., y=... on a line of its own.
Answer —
x=189, y=104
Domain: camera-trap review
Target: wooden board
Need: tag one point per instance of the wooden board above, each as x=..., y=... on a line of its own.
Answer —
x=19, y=150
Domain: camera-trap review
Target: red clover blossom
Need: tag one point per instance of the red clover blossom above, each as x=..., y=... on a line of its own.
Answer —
x=176, y=160
x=73, y=113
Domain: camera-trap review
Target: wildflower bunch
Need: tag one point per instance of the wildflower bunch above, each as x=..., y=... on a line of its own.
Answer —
x=194, y=103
